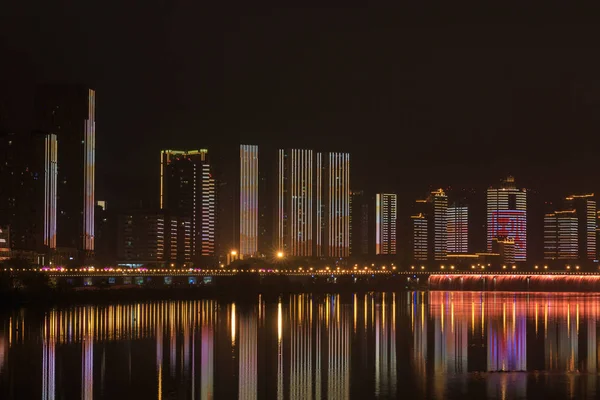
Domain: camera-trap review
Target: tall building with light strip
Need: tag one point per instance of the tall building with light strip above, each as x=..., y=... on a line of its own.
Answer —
x=297, y=198
x=430, y=228
x=507, y=216
x=439, y=202
x=570, y=234
x=385, y=223
x=458, y=229
x=336, y=200
x=249, y=208
x=560, y=235
x=188, y=189
x=50, y=186
x=585, y=208
x=313, y=204
x=420, y=236
x=69, y=112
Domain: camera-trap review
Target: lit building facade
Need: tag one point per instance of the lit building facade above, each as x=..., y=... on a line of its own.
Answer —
x=28, y=194
x=385, y=223
x=585, y=209
x=505, y=248
x=50, y=187
x=249, y=209
x=313, y=204
x=560, y=235
x=430, y=228
x=4, y=243
x=336, y=197
x=297, y=198
x=439, y=201
x=507, y=216
x=570, y=234
x=153, y=237
x=69, y=112
x=188, y=190
x=420, y=237
x=458, y=229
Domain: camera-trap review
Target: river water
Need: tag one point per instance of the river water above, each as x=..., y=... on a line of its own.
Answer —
x=412, y=345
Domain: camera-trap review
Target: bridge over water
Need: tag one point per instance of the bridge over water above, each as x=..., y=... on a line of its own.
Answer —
x=434, y=280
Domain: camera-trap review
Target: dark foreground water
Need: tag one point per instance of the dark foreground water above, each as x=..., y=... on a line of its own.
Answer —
x=380, y=345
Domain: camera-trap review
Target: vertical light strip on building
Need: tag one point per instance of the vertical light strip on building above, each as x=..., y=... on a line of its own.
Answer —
x=281, y=212
x=50, y=185
x=248, y=200
x=319, y=205
x=89, y=184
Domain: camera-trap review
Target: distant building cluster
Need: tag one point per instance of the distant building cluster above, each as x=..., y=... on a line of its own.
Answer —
x=215, y=209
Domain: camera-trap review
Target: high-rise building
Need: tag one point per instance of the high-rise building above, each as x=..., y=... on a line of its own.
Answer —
x=507, y=216
x=431, y=220
x=313, y=204
x=336, y=201
x=153, y=237
x=297, y=197
x=420, y=237
x=560, y=235
x=28, y=190
x=248, y=207
x=359, y=223
x=385, y=223
x=187, y=190
x=458, y=229
x=69, y=112
x=585, y=208
x=440, y=224
x=570, y=234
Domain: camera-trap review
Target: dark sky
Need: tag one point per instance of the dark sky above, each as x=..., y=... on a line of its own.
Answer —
x=420, y=96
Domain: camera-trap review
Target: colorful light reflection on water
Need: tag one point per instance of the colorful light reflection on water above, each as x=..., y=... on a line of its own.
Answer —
x=376, y=345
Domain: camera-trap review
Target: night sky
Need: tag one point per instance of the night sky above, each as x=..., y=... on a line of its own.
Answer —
x=421, y=97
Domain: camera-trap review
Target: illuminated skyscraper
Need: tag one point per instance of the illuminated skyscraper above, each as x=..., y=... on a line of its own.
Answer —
x=432, y=221
x=571, y=234
x=249, y=208
x=420, y=237
x=296, y=202
x=507, y=216
x=560, y=235
x=458, y=229
x=313, y=204
x=439, y=201
x=336, y=200
x=28, y=189
x=585, y=208
x=385, y=223
x=187, y=189
x=69, y=112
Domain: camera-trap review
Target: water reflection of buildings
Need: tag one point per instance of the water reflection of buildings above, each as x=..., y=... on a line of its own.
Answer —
x=306, y=346
x=248, y=356
x=385, y=347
